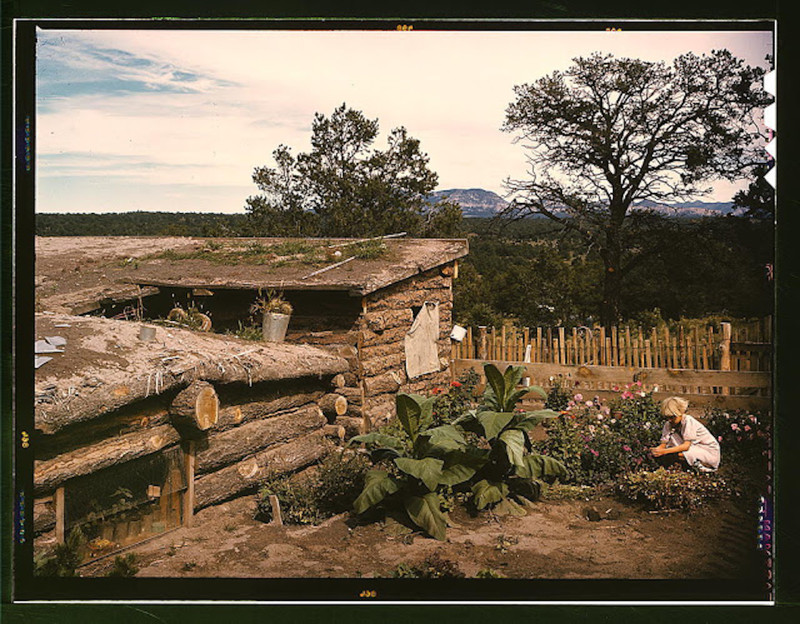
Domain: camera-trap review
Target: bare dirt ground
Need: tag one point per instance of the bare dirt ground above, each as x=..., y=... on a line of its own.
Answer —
x=555, y=540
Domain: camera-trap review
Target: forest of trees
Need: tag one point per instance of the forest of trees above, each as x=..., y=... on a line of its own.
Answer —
x=536, y=273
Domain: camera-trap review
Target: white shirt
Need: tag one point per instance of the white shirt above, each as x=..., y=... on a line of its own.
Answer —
x=692, y=431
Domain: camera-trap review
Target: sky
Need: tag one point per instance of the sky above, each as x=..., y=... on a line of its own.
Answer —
x=176, y=121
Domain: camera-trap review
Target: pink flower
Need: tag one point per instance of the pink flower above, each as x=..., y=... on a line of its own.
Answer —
x=578, y=397
x=747, y=427
x=734, y=426
x=625, y=447
x=719, y=438
x=753, y=419
x=639, y=383
x=606, y=410
x=589, y=404
x=615, y=388
x=627, y=395
x=593, y=452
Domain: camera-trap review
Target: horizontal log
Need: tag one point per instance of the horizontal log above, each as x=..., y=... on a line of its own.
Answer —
x=49, y=474
x=264, y=363
x=353, y=426
x=389, y=336
x=246, y=475
x=138, y=417
x=410, y=298
x=375, y=366
x=337, y=432
x=383, y=350
x=353, y=396
x=221, y=449
x=325, y=337
x=234, y=415
x=387, y=382
x=389, y=319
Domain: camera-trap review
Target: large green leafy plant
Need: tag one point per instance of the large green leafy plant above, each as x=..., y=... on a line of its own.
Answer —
x=410, y=470
x=511, y=472
x=485, y=452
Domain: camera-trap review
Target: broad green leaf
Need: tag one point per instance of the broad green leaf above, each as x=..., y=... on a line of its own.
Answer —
x=377, y=439
x=427, y=470
x=487, y=493
x=493, y=422
x=460, y=466
x=512, y=377
x=446, y=437
x=425, y=512
x=377, y=486
x=408, y=413
x=541, y=467
x=515, y=445
x=496, y=383
x=514, y=397
x=538, y=390
x=415, y=413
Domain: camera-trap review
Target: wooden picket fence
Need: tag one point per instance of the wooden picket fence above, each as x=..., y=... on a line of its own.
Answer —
x=702, y=388
x=724, y=366
x=744, y=347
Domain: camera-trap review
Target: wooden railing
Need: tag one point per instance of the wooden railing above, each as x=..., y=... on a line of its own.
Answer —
x=738, y=348
x=728, y=389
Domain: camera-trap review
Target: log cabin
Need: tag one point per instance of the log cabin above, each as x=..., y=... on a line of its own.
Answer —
x=385, y=306
x=136, y=426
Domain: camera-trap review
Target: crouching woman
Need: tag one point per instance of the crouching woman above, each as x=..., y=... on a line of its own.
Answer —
x=684, y=438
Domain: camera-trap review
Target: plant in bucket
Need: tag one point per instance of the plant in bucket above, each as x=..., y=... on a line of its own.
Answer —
x=276, y=312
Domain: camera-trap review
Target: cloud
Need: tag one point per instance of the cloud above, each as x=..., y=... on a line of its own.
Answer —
x=162, y=108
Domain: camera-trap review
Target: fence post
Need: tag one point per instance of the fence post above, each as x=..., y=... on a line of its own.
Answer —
x=725, y=352
x=482, y=342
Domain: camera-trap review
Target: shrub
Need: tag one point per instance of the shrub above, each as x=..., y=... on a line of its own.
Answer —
x=598, y=442
x=449, y=405
x=559, y=395
x=124, y=566
x=64, y=558
x=333, y=488
x=434, y=566
x=671, y=489
x=743, y=435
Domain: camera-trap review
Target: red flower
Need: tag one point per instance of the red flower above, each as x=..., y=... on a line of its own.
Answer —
x=437, y=390
x=455, y=384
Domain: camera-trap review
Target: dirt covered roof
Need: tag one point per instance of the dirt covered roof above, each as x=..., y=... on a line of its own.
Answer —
x=98, y=365
x=75, y=274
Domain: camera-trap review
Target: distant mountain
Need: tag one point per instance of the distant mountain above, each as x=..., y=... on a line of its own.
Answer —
x=477, y=202
x=474, y=202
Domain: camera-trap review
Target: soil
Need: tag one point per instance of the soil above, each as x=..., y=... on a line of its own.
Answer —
x=556, y=540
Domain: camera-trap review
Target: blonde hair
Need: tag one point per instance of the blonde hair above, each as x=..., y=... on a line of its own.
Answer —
x=674, y=406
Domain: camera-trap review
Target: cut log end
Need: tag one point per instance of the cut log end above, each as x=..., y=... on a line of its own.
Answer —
x=332, y=406
x=196, y=406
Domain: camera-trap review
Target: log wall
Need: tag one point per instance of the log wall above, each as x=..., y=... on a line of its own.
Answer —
x=262, y=431
x=387, y=317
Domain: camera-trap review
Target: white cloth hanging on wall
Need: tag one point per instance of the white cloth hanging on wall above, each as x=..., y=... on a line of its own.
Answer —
x=421, y=342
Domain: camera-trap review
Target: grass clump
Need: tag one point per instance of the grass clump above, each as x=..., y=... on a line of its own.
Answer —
x=336, y=483
x=247, y=332
x=672, y=489
x=432, y=567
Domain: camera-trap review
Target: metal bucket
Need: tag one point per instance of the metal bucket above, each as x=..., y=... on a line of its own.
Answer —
x=274, y=326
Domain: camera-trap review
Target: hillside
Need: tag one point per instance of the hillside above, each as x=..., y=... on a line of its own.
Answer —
x=477, y=202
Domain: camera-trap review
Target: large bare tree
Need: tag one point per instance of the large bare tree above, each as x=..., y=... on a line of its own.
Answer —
x=609, y=133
